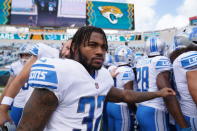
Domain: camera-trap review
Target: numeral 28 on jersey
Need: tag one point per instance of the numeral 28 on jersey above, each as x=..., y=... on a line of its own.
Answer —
x=142, y=79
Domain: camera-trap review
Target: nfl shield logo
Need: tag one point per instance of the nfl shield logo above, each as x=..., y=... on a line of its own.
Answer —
x=96, y=85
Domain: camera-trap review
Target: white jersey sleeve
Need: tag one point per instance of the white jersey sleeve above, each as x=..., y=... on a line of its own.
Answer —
x=15, y=68
x=44, y=75
x=181, y=65
x=43, y=50
x=125, y=74
x=189, y=61
x=162, y=64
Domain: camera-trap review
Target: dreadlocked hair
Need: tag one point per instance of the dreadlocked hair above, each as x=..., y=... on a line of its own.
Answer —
x=182, y=50
x=83, y=35
x=176, y=53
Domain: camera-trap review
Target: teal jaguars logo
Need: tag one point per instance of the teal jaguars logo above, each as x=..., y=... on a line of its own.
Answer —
x=111, y=13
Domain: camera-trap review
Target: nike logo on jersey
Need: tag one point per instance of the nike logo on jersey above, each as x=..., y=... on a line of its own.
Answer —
x=96, y=85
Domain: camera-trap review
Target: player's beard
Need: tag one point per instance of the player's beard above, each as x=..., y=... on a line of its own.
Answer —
x=84, y=61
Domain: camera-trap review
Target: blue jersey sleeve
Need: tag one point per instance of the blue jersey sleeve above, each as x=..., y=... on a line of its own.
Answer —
x=43, y=75
x=189, y=62
x=163, y=64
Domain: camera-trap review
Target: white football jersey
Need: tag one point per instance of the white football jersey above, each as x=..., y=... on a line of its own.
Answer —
x=147, y=71
x=15, y=68
x=183, y=63
x=125, y=74
x=80, y=96
x=19, y=100
x=42, y=50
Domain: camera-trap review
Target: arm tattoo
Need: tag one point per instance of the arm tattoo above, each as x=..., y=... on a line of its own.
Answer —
x=38, y=110
x=129, y=96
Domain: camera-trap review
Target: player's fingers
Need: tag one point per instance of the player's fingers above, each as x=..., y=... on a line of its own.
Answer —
x=169, y=92
x=172, y=91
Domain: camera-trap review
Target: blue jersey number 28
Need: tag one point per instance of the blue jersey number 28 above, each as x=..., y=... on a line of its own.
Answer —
x=142, y=79
x=89, y=119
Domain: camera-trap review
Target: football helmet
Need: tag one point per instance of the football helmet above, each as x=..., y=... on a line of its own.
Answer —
x=123, y=55
x=25, y=49
x=185, y=37
x=108, y=60
x=154, y=46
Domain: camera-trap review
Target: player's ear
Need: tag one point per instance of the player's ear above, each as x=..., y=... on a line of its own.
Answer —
x=73, y=51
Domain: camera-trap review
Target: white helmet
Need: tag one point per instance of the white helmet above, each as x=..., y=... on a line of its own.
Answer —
x=123, y=55
x=186, y=37
x=25, y=49
x=154, y=46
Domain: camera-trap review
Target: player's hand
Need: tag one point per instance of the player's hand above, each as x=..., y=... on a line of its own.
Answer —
x=166, y=92
x=4, y=116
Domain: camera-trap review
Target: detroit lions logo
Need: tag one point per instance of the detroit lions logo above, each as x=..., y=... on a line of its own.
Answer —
x=112, y=13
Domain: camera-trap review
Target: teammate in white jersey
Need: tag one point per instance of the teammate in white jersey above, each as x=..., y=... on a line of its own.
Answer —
x=69, y=94
x=117, y=115
x=185, y=71
x=38, y=51
x=15, y=69
x=153, y=74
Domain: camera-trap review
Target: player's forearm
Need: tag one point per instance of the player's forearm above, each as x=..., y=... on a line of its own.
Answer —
x=174, y=109
x=38, y=110
x=136, y=97
x=21, y=79
x=192, y=84
x=11, y=78
x=2, y=94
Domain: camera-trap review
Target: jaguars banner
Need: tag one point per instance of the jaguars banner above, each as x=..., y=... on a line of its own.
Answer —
x=110, y=15
x=4, y=11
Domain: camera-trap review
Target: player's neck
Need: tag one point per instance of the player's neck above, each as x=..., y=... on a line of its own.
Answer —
x=91, y=71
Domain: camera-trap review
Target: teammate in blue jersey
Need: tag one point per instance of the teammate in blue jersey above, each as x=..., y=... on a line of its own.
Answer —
x=38, y=51
x=15, y=69
x=69, y=94
x=117, y=115
x=184, y=60
x=153, y=74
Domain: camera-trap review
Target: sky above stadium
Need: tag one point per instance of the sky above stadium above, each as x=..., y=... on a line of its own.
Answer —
x=161, y=14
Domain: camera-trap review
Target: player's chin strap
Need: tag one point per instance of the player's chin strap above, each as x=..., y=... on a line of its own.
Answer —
x=8, y=126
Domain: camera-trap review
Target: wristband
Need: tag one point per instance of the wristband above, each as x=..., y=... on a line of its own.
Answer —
x=7, y=100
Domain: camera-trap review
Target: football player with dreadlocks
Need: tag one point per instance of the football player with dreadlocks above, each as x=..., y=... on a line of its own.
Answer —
x=184, y=60
x=75, y=104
